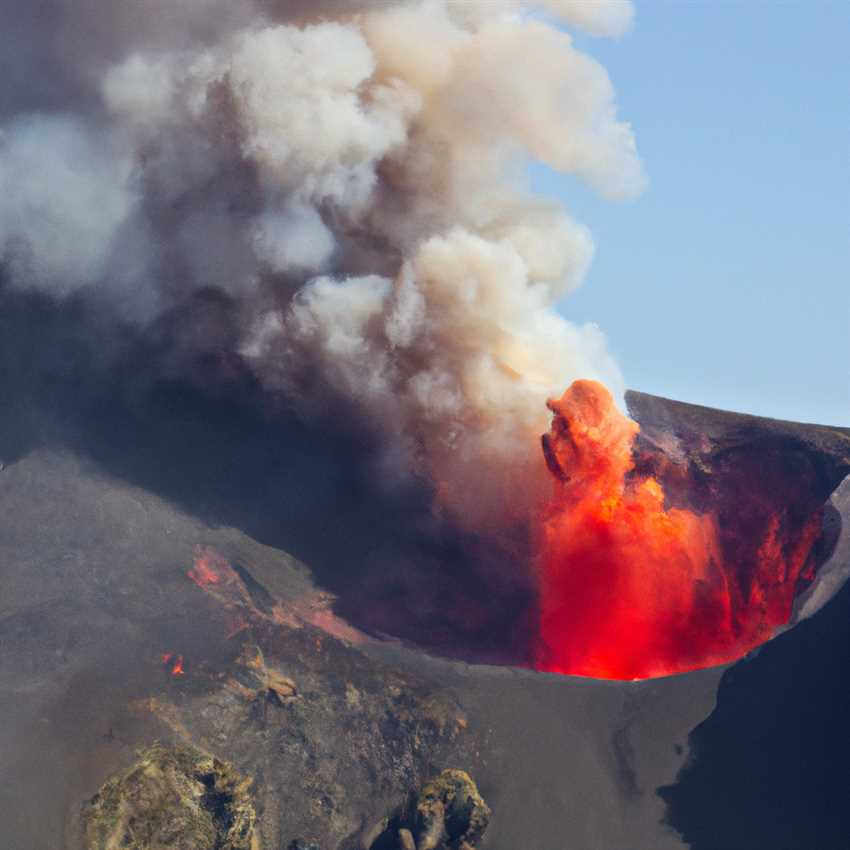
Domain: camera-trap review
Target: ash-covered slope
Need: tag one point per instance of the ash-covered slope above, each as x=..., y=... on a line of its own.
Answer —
x=334, y=727
x=96, y=593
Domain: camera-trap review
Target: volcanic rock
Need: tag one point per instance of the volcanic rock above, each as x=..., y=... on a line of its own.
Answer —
x=172, y=799
x=450, y=813
x=447, y=813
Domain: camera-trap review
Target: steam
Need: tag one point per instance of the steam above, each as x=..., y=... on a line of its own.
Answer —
x=60, y=240
x=350, y=175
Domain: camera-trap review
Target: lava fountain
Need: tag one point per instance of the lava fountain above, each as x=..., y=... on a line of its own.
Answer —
x=633, y=588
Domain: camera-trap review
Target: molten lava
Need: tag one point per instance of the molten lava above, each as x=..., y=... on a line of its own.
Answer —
x=631, y=588
x=175, y=666
x=216, y=576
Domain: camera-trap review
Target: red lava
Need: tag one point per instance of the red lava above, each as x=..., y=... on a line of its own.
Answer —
x=631, y=589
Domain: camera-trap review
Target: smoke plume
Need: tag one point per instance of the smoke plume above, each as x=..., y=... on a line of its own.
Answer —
x=348, y=177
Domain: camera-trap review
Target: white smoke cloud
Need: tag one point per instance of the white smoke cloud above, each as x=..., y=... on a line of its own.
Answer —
x=64, y=196
x=598, y=17
x=352, y=175
x=305, y=121
x=293, y=237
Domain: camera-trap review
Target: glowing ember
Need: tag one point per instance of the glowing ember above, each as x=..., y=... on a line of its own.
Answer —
x=208, y=568
x=174, y=663
x=630, y=589
x=216, y=576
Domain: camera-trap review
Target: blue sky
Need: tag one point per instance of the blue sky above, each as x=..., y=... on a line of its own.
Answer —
x=728, y=282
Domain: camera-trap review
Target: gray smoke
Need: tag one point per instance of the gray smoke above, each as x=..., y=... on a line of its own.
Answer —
x=350, y=175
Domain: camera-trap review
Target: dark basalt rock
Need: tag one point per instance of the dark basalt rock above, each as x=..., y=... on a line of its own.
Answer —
x=705, y=455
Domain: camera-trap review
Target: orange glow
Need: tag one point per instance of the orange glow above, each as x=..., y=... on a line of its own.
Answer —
x=174, y=663
x=214, y=574
x=208, y=568
x=629, y=588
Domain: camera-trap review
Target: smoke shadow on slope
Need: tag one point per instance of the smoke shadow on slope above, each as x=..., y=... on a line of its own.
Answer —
x=170, y=411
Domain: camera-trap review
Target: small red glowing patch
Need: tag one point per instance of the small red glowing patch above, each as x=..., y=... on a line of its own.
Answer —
x=174, y=663
x=214, y=574
x=208, y=568
x=630, y=589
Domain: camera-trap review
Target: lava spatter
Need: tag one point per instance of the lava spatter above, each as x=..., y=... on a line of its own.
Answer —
x=631, y=588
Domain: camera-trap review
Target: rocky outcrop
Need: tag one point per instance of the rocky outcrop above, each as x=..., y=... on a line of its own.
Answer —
x=172, y=799
x=181, y=798
x=447, y=813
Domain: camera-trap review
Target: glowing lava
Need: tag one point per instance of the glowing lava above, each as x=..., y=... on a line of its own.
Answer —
x=630, y=588
x=174, y=663
x=209, y=568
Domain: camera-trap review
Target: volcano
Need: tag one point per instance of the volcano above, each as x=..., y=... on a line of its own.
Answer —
x=134, y=617
x=284, y=561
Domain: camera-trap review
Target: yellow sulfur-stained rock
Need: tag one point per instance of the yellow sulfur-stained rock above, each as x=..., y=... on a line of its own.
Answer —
x=447, y=813
x=172, y=799
x=450, y=813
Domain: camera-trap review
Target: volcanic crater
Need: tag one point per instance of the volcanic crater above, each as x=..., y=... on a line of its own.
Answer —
x=114, y=571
